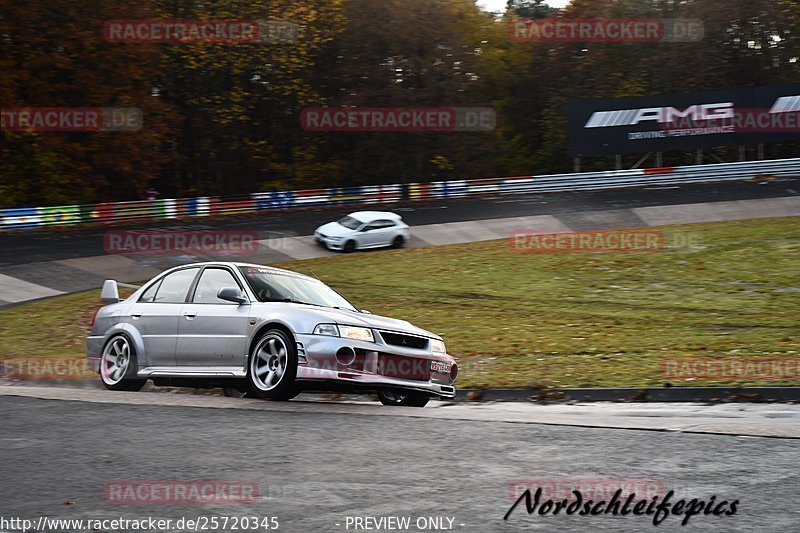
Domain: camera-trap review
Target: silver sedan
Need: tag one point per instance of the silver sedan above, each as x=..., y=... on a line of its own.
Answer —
x=266, y=332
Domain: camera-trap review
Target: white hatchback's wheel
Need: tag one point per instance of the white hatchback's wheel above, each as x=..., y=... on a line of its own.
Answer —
x=118, y=366
x=273, y=367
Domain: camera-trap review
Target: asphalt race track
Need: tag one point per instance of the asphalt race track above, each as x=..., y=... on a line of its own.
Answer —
x=318, y=463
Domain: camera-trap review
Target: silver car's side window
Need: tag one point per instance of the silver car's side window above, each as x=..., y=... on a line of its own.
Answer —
x=149, y=295
x=211, y=281
x=175, y=286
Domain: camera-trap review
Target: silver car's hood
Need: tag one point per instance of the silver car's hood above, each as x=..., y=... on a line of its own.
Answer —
x=323, y=315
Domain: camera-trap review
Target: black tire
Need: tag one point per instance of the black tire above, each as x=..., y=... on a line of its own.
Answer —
x=403, y=399
x=263, y=364
x=349, y=247
x=398, y=242
x=118, y=365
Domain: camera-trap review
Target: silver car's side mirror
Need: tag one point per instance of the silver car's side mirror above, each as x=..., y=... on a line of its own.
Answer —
x=231, y=294
x=110, y=292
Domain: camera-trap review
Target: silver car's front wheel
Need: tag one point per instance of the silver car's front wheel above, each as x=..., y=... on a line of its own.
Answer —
x=118, y=365
x=273, y=367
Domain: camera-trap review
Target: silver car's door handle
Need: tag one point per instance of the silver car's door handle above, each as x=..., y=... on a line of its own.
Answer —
x=190, y=316
x=137, y=316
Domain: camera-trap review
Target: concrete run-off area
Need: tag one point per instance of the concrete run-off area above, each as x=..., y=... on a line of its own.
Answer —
x=758, y=420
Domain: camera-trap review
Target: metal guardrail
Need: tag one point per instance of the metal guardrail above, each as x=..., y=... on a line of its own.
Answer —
x=614, y=179
x=180, y=208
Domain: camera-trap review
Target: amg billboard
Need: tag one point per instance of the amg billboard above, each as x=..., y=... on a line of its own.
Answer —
x=684, y=121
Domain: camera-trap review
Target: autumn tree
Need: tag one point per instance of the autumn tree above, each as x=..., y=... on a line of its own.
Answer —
x=53, y=54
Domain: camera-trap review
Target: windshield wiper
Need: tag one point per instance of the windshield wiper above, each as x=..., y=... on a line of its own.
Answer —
x=292, y=301
x=288, y=300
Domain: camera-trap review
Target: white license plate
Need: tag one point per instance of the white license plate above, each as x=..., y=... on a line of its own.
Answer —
x=439, y=366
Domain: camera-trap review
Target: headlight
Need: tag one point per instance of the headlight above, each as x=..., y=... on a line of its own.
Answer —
x=326, y=329
x=359, y=334
x=437, y=346
x=346, y=332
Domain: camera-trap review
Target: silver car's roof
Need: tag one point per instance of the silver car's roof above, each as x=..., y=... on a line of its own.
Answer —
x=268, y=269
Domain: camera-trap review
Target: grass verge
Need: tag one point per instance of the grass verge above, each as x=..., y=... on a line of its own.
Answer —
x=563, y=320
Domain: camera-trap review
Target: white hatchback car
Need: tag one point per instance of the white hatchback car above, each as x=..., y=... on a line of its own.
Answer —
x=362, y=230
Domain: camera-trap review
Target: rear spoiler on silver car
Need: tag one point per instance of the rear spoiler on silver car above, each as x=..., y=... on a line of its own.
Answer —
x=110, y=292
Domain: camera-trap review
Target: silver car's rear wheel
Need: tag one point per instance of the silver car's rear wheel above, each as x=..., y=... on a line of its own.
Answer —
x=273, y=367
x=405, y=399
x=118, y=366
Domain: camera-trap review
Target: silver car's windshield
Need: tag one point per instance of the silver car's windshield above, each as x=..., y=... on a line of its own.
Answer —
x=274, y=286
x=350, y=222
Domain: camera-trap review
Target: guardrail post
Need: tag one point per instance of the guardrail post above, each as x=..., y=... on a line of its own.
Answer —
x=642, y=160
x=576, y=167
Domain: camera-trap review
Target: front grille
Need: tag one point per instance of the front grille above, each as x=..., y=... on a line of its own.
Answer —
x=403, y=367
x=406, y=341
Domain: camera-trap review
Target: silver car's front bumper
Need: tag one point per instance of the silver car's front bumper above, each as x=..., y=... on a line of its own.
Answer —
x=318, y=363
x=370, y=382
